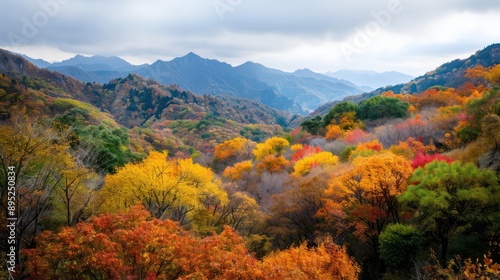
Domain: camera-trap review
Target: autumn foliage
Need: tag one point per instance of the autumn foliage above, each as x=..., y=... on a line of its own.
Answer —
x=134, y=245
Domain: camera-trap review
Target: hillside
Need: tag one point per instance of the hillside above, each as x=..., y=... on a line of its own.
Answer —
x=451, y=74
x=173, y=118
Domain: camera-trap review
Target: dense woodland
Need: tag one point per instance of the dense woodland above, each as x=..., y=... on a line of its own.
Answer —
x=396, y=186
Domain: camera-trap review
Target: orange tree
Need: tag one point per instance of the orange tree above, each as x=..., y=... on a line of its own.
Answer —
x=364, y=198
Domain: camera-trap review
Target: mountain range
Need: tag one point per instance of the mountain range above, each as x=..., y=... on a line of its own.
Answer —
x=299, y=92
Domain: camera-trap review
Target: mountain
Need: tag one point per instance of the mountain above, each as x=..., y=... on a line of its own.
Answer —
x=450, y=74
x=164, y=117
x=133, y=100
x=371, y=79
x=37, y=62
x=299, y=92
x=95, y=63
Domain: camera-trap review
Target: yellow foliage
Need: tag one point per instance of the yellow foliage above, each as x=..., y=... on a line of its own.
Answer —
x=274, y=145
x=166, y=188
x=376, y=176
x=296, y=147
x=304, y=165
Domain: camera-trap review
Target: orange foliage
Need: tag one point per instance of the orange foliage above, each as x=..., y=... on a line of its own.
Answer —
x=325, y=262
x=333, y=132
x=133, y=245
x=230, y=148
x=236, y=171
x=367, y=193
x=272, y=163
x=367, y=149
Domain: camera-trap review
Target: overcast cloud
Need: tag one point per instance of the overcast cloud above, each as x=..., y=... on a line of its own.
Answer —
x=323, y=35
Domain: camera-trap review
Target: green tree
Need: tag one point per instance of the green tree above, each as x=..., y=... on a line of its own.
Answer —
x=313, y=125
x=399, y=245
x=107, y=147
x=378, y=107
x=451, y=199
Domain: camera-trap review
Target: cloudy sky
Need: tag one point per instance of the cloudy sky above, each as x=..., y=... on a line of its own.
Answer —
x=411, y=36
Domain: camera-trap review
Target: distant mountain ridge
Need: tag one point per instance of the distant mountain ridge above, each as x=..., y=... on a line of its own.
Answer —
x=371, y=79
x=299, y=92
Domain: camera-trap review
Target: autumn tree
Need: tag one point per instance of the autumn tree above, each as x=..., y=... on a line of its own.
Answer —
x=451, y=199
x=236, y=171
x=176, y=189
x=421, y=159
x=364, y=198
x=76, y=189
x=470, y=128
x=294, y=210
x=322, y=159
x=272, y=163
x=133, y=245
x=274, y=145
x=333, y=131
x=234, y=150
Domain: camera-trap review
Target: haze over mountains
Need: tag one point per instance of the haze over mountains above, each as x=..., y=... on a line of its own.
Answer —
x=299, y=92
x=371, y=79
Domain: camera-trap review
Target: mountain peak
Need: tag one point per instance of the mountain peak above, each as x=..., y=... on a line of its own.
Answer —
x=303, y=71
x=191, y=55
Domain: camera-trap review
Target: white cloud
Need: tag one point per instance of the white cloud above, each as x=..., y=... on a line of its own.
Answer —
x=282, y=34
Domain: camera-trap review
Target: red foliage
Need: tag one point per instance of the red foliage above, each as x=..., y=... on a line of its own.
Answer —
x=355, y=136
x=305, y=151
x=421, y=159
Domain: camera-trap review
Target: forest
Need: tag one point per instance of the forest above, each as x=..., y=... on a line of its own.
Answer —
x=396, y=186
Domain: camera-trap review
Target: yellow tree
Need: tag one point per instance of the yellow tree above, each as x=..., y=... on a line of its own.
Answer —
x=274, y=145
x=176, y=189
x=323, y=159
x=76, y=188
